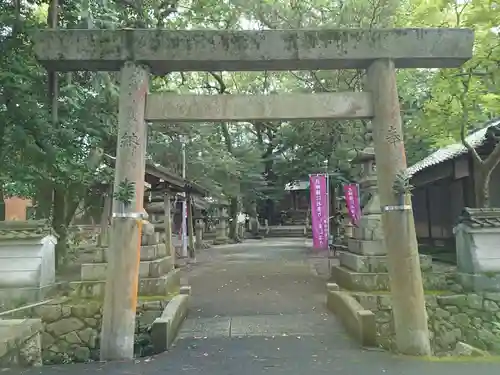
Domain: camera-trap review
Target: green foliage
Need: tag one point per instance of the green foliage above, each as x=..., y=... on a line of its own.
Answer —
x=125, y=192
x=402, y=184
x=247, y=161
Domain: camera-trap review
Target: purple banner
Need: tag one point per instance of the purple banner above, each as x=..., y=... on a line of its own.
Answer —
x=352, y=202
x=319, y=211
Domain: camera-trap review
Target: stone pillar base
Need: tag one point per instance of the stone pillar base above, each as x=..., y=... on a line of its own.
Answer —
x=480, y=282
x=366, y=247
x=221, y=241
x=374, y=263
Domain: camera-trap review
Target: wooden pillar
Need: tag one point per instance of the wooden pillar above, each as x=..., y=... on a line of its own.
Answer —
x=410, y=318
x=167, y=221
x=190, y=226
x=117, y=335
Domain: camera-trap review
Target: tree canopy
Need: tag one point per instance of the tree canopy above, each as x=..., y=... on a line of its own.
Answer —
x=54, y=158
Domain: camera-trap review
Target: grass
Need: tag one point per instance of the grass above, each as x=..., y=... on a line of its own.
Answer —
x=456, y=359
x=139, y=298
x=157, y=298
x=426, y=292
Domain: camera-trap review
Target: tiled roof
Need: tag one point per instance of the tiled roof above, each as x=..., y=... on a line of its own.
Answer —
x=297, y=185
x=162, y=173
x=22, y=230
x=452, y=151
x=481, y=217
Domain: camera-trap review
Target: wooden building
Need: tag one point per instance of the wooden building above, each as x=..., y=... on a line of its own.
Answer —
x=294, y=204
x=444, y=185
x=158, y=180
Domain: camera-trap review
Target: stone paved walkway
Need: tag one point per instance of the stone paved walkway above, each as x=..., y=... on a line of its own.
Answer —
x=258, y=308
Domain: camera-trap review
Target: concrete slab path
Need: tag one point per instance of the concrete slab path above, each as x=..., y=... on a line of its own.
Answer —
x=258, y=308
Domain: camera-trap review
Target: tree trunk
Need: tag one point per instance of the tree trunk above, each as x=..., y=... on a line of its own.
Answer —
x=59, y=225
x=481, y=185
x=2, y=204
x=103, y=240
x=43, y=199
x=233, y=214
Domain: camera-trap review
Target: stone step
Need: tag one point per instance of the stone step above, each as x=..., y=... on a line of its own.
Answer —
x=147, y=268
x=356, y=281
x=148, y=252
x=151, y=252
x=374, y=263
x=367, y=282
x=286, y=233
x=159, y=286
x=364, y=247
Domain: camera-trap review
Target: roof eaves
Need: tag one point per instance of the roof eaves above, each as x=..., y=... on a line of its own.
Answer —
x=476, y=139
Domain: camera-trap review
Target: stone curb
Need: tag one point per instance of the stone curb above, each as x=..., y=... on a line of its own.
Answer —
x=165, y=328
x=360, y=323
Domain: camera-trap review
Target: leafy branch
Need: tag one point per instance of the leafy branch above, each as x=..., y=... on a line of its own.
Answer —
x=125, y=192
x=402, y=184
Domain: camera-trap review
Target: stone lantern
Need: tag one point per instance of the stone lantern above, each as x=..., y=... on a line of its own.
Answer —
x=222, y=227
x=370, y=227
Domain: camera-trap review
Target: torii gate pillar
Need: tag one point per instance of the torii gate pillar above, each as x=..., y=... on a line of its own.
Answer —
x=403, y=260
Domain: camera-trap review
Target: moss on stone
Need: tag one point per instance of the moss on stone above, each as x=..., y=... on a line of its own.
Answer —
x=426, y=292
x=491, y=358
x=491, y=274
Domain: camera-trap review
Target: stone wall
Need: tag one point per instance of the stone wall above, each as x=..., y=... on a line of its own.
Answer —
x=20, y=342
x=470, y=318
x=71, y=327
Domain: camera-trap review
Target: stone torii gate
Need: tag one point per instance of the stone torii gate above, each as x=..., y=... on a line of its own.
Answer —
x=136, y=53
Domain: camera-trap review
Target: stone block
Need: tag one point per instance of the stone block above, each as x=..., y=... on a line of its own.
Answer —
x=153, y=286
x=438, y=280
x=152, y=252
x=250, y=50
x=155, y=268
x=165, y=328
x=465, y=350
x=355, y=281
x=360, y=323
x=366, y=247
x=10, y=298
x=20, y=342
x=332, y=287
x=93, y=271
x=477, y=249
x=64, y=326
x=369, y=228
x=366, y=282
x=185, y=289
x=27, y=262
x=367, y=300
x=196, y=108
x=479, y=282
x=87, y=289
x=375, y=263
x=147, y=268
x=221, y=241
x=160, y=286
